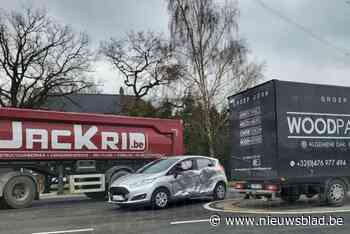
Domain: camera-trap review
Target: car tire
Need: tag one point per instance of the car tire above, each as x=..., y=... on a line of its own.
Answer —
x=336, y=191
x=19, y=192
x=160, y=198
x=219, y=192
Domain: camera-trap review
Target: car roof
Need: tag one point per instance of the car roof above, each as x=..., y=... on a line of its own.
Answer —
x=181, y=157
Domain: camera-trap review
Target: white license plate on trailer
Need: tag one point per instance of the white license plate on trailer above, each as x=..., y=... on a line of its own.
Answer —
x=118, y=198
x=256, y=186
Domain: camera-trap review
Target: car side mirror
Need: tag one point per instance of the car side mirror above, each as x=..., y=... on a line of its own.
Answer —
x=211, y=164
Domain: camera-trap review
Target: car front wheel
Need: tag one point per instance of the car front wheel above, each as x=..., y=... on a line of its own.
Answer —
x=160, y=199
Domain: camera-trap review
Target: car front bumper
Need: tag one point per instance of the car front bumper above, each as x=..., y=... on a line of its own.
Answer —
x=126, y=195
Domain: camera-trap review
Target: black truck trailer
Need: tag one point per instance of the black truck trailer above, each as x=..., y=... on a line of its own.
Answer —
x=290, y=139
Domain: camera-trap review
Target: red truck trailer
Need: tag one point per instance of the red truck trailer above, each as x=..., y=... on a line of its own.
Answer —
x=91, y=150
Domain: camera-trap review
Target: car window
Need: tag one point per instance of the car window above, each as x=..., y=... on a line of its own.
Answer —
x=157, y=166
x=188, y=163
x=203, y=163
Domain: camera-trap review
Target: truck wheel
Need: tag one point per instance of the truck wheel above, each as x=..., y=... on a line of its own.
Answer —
x=219, y=192
x=160, y=198
x=336, y=193
x=19, y=192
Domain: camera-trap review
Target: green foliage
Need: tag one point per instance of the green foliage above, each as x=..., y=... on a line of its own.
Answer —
x=194, y=140
x=139, y=109
x=191, y=113
x=165, y=110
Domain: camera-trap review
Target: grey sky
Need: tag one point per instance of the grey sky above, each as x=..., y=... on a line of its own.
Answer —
x=289, y=53
x=292, y=54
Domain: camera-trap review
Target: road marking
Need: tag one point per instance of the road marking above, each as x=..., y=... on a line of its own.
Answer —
x=207, y=206
x=190, y=221
x=67, y=231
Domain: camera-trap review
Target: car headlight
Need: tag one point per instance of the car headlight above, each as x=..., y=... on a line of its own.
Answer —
x=143, y=182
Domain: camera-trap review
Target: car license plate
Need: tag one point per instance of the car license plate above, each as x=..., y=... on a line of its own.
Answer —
x=256, y=186
x=118, y=198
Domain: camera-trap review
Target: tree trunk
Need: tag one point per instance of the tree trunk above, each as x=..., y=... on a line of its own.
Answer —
x=209, y=131
x=14, y=91
x=211, y=144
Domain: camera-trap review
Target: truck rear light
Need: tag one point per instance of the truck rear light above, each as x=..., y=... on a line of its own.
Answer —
x=271, y=187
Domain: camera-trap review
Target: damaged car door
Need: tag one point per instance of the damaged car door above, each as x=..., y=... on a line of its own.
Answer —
x=186, y=179
x=207, y=174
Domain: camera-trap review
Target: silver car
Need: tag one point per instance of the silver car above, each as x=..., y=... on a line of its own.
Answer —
x=168, y=179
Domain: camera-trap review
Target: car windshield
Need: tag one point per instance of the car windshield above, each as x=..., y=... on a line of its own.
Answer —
x=157, y=166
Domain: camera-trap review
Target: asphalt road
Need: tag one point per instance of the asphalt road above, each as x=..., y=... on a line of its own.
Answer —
x=80, y=213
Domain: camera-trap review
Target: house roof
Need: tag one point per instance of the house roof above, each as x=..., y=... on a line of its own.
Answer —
x=88, y=103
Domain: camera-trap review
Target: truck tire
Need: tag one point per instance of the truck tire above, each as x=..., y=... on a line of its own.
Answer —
x=160, y=198
x=336, y=191
x=19, y=192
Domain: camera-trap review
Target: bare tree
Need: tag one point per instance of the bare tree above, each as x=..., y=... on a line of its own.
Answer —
x=144, y=60
x=94, y=88
x=39, y=58
x=246, y=76
x=204, y=36
x=201, y=33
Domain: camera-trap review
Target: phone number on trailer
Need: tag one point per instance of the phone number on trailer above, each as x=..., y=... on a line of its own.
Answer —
x=318, y=163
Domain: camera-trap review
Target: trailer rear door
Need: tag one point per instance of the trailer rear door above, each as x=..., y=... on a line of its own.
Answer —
x=253, y=126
